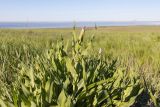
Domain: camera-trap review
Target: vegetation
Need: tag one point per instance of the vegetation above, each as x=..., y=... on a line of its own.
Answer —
x=114, y=66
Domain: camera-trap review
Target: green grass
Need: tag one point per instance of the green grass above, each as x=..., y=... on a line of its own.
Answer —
x=136, y=49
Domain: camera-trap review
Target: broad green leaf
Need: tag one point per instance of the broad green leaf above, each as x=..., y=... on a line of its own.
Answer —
x=127, y=92
x=84, y=73
x=62, y=99
x=99, y=83
x=25, y=91
x=51, y=93
x=95, y=101
x=81, y=35
x=31, y=76
x=71, y=68
x=153, y=98
x=2, y=103
x=33, y=104
x=47, y=86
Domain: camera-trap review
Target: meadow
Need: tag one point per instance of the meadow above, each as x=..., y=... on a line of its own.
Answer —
x=107, y=66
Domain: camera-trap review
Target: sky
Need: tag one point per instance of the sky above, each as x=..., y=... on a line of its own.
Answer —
x=79, y=10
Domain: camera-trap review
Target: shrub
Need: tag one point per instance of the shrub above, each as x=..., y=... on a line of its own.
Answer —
x=72, y=78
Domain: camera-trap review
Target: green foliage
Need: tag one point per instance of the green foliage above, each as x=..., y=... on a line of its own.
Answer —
x=71, y=77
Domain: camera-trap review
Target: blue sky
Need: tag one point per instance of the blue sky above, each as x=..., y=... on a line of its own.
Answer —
x=79, y=10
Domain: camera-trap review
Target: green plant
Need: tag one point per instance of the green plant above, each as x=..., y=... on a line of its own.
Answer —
x=72, y=78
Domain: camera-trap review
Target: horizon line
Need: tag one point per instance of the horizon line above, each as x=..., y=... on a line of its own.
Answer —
x=80, y=21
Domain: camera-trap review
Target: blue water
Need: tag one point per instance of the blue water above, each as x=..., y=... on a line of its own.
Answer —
x=71, y=24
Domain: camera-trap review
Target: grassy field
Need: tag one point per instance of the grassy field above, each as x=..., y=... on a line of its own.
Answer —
x=135, y=49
